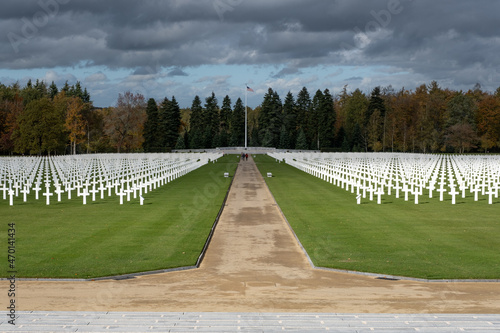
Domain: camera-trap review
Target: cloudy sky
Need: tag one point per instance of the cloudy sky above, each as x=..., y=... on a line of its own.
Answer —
x=193, y=47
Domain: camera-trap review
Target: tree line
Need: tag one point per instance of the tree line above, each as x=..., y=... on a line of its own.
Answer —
x=43, y=119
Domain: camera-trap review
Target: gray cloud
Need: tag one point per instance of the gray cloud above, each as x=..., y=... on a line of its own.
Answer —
x=177, y=72
x=456, y=40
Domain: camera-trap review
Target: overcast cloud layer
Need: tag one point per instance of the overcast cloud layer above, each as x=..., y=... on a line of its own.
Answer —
x=189, y=47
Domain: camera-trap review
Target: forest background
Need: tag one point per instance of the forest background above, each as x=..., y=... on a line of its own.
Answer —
x=41, y=119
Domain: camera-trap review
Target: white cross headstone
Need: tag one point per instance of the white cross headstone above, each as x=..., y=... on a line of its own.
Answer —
x=93, y=191
x=491, y=193
x=58, y=192
x=462, y=188
x=102, y=188
x=4, y=189
x=406, y=190
x=379, y=193
x=453, y=193
x=128, y=191
x=121, y=194
x=431, y=188
x=397, y=188
x=16, y=186
x=418, y=191
x=85, y=194
x=11, y=197
x=371, y=190
x=36, y=189
x=47, y=195
x=441, y=193
x=476, y=192
x=25, y=192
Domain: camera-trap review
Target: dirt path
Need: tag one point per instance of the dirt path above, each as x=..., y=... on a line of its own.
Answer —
x=254, y=264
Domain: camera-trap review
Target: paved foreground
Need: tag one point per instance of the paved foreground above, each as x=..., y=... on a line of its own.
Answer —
x=254, y=269
x=40, y=321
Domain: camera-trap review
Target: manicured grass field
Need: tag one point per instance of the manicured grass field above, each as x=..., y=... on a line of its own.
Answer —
x=432, y=240
x=103, y=238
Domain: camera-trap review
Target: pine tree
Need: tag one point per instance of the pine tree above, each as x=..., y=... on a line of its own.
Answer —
x=376, y=109
x=326, y=121
x=53, y=91
x=151, y=143
x=290, y=121
x=301, y=141
x=284, y=139
x=312, y=132
x=163, y=125
x=180, y=143
x=212, y=122
x=303, y=106
x=237, y=126
x=270, y=119
x=196, y=129
x=173, y=122
x=224, y=114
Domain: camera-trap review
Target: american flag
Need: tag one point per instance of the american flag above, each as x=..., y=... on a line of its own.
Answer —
x=249, y=89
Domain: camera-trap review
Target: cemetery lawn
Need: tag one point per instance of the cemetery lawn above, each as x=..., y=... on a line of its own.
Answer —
x=104, y=238
x=431, y=240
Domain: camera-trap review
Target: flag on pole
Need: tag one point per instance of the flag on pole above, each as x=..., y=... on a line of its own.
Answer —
x=249, y=89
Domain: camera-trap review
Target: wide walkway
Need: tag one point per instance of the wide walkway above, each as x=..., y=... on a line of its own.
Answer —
x=253, y=268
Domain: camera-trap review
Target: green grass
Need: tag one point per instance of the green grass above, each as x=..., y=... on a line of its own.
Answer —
x=103, y=238
x=431, y=240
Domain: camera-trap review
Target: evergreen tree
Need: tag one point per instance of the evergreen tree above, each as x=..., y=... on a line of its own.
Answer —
x=254, y=137
x=301, y=141
x=326, y=121
x=225, y=114
x=41, y=87
x=196, y=125
x=237, y=126
x=376, y=103
x=180, y=142
x=173, y=122
x=341, y=139
x=163, y=125
x=357, y=142
x=85, y=96
x=303, y=106
x=284, y=139
x=355, y=107
x=290, y=121
x=53, y=91
x=31, y=93
x=461, y=110
x=375, y=119
x=270, y=119
x=212, y=122
x=312, y=132
x=66, y=88
x=76, y=90
x=151, y=135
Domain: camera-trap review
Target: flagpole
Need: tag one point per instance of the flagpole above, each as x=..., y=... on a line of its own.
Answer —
x=246, y=132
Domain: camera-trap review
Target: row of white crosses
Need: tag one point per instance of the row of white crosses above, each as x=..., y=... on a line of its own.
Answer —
x=93, y=177
x=403, y=175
